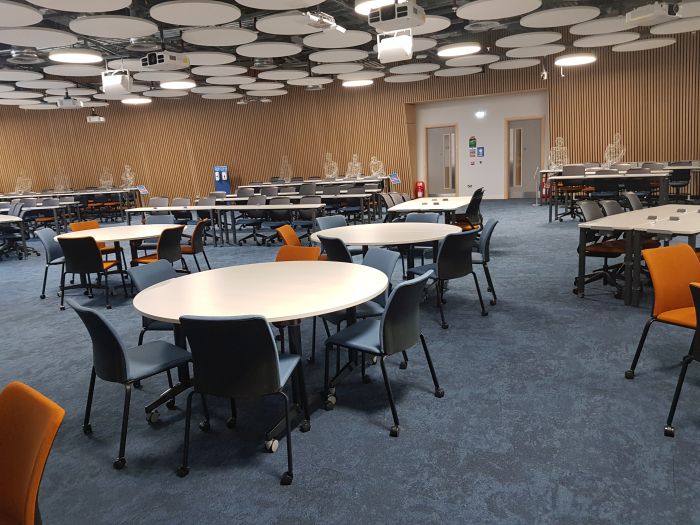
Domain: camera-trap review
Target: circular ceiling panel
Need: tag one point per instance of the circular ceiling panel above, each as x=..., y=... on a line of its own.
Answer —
x=219, y=36
x=602, y=26
x=78, y=6
x=21, y=95
x=160, y=76
x=337, y=68
x=282, y=74
x=6, y=87
x=538, y=38
x=73, y=70
x=18, y=15
x=338, y=55
x=222, y=96
x=457, y=72
x=405, y=78
x=675, y=27
x=113, y=26
x=433, y=24
x=472, y=60
x=288, y=24
x=496, y=9
x=644, y=45
x=219, y=71
x=230, y=81
x=518, y=63
x=38, y=37
x=218, y=90
x=279, y=5
x=106, y=96
x=45, y=84
x=423, y=44
x=95, y=104
x=268, y=93
x=139, y=88
x=606, y=40
x=13, y=75
x=39, y=107
x=210, y=58
x=263, y=86
x=73, y=92
x=269, y=50
x=361, y=75
x=535, y=51
x=310, y=81
x=57, y=98
x=17, y=102
x=165, y=93
x=335, y=39
x=560, y=16
x=195, y=12
x=414, y=68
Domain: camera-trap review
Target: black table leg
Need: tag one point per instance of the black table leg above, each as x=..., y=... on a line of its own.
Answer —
x=581, y=279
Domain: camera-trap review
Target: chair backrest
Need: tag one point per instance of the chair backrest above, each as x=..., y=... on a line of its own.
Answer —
x=632, y=171
x=621, y=166
x=67, y=198
x=4, y=205
x=472, y=215
x=672, y=269
x=276, y=178
x=269, y=191
x=107, y=347
x=330, y=221
x=160, y=219
x=51, y=247
x=590, y=210
x=430, y=217
x=454, y=258
x=297, y=253
x=396, y=197
x=633, y=200
x=217, y=194
x=245, y=192
x=587, y=165
x=611, y=207
x=308, y=188
x=335, y=249
x=400, y=324
x=232, y=357
x=83, y=225
x=158, y=201
x=653, y=165
x=146, y=275
x=573, y=169
x=29, y=422
x=606, y=171
x=288, y=235
x=50, y=201
x=280, y=215
x=256, y=200
x=16, y=209
x=169, y=244
x=484, y=243
x=385, y=261
x=206, y=201
x=181, y=201
x=309, y=215
x=82, y=255
x=29, y=202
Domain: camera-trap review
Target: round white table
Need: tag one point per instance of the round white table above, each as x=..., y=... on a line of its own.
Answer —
x=137, y=232
x=389, y=233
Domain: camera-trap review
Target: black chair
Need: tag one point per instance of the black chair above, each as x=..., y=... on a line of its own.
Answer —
x=145, y=276
x=328, y=222
x=354, y=206
x=397, y=331
x=335, y=249
x=308, y=188
x=605, y=189
x=54, y=254
x=471, y=219
x=149, y=245
x=252, y=219
x=483, y=254
x=680, y=179
x=306, y=218
x=454, y=260
x=182, y=217
x=276, y=218
x=269, y=191
x=236, y=357
x=115, y=363
x=169, y=248
x=245, y=192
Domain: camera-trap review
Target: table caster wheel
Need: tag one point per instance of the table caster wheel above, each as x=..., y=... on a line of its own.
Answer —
x=444, y=326
x=137, y=384
x=330, y=402
x=231, y=423
x=62, y=308
x=484, y=314
x=42, y=296
x=366, y=380
x=286, y=479
x=272, y=445
x=394, y=432
x=204, y=426
x=629, y=374
x=403, y=365
x=119, y=463
x=439, y=392
x=305, y=426
x=492, y=302
x=669, y=431
x=87, y=429
x=152, y=417
x=182, y=472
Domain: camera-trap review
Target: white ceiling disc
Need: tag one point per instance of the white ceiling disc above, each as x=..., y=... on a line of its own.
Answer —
x=310, y=81
x=54, y=99
x=458, y=71
x=361, y=75
x=13, y=75
x=219, y=36
x=606, y=40
x=160, y=76
x=21, y=95
x=74, y=70
x=279, y=5
x=45, y=84
x=95, y=104
x=535, y=51
x=165, y=93
x=496, y=9
x=518, y=63
x=230, y=81
x=337, y=68
x=406, y=78
x=210, y=58
x=268, y=93
x=38, y=37
x=39, y=107
x=78, y=6
x=18, y=15
x=113, y=26
x=17, y=102
x=433, y=24
x=268, y=50
x=212, y=90
x=560, y=16
x=602, y=26
x=139, y=88
x=405, y=69
x=195, y=12
x=538, y=38
x=642, y=45
x=289, y=23
x=132, y=64
x=338, y=55
x=219, y=71
x=112, y=96
x=472, y=60
x=282, y=74
x=685, y=25
x=423, y=44
x=73, y=92
x=222, y=96
x=263, y=86
x=332, y=39
x=4, y=88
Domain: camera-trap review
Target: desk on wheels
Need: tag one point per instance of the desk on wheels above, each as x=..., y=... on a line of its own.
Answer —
x=446, y=205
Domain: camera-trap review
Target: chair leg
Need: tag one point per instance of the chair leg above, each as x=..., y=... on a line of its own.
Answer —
x=141, y=334
x=121, y=460
x=63, y=289
x=231, y=423
x=206, y=260
x=478, y=292
x=439, y=392
x=439, y=291
x=288, y=476
x=126, y=293
x=394, y=432
x=43, y=286
x=184, y=265
x=281, y=330
x=87, y=428
x=404, y=363
x=669, y=431
x=204, y=425
x=312, y=359
x=184, y=468
x=490, y=284
x=108, y=306
x=365, y=378
x=629, y=374
x=328, y=392
x=196, y=262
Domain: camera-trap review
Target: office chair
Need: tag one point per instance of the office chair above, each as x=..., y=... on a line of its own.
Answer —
x=145, y=276
x=54, y=254
x=276, y=218
x=148, y=245
x=92, y=225
x=308, y=188
x=680, y=178
x=169, y=248
x=305, y=218
x=328, y=222
x=483, y=255
x=269, y=191
x=196, y=244
x=335, y=249
x=252, y=219
x=420, y=249
x=633, y=199
x=245, y=192
x=182, y=217
x=355, y=206
x=471, y=219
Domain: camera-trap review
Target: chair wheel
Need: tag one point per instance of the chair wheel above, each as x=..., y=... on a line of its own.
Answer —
x=403, y=365
x=492, y=302
x=669, y=431
x=394, y=432
x=439, y=392
x=305, y=426
x=272, y=445
x=231, y=423
x=330, y=402
x=87, y=429
x=311, y=360
x=629, y=374
x=366, y=379
x=286, y=479
x=182, y=472
x=171, y=404
x=444, y=326
x=62, y=308
x=152, y=417
x=137, y=384
x=484, y=314
x=109, y=307
x=42, y=296
x=119, y=463
x=204, y=426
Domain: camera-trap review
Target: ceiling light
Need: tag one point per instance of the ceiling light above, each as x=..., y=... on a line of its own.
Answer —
x=363, y=7
x=265, y=100
x=459, y=49
x=136, y=101
x=480, y=114
x=75, y=55
x=358, y=83
x=178, y=84
x=575, y=59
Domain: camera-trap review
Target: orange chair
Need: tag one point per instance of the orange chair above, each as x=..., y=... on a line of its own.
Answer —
x=28, y=425
x=298, y=253
x=288, y=235
x=672, y=269
x=92, y=225
x=169, y=248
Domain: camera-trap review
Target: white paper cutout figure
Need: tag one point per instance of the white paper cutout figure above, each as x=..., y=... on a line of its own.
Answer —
x=286, y=172
x=128, y=177
x=23, y=184
x=330, y=167
x=558, y=154
x=614, y=152
x=354, y=167
x=61, y=182
x=376, y=167
x=106, y=178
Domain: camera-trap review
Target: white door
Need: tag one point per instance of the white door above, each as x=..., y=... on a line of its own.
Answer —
x=441, y=155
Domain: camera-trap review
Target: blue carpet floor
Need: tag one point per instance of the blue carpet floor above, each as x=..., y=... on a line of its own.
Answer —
x=538, y=424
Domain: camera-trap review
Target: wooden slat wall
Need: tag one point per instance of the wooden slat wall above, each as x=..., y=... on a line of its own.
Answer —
x=650, y=97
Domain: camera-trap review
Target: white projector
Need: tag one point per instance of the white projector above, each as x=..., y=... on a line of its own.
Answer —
x=397, y=16
x=69, y=103
x=95, y=119
x=652, y=14
x=395, y=46
x=165, y=61
x=116, y=82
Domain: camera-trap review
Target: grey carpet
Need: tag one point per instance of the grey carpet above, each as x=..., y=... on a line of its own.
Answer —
x=538, y=424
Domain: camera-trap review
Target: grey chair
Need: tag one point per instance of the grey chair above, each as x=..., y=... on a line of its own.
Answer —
x=420, y=249
x=269, y=191
x=252, y=219
x=182, y=217
x=621, y=166
x=306, y=218
x=53, y=251
x=335, y=221
x=335, y=249
x=147, y=245
x=397, y=331
x=276, y=218
x=156, y=202
x=113, y=362
x=483, y=254
x=236, y=357
x=355, y=206
x=611, y=207
x=653, y=165
x=454, y=260
x=217, y=194
x=633, y=200
x=245, y=192
x=147, y=275
x=308, y=188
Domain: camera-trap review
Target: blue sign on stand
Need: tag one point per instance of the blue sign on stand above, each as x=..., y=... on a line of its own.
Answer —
x=221, y=179
x=394, y=178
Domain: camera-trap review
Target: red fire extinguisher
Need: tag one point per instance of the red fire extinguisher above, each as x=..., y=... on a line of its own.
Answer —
x=420, y=189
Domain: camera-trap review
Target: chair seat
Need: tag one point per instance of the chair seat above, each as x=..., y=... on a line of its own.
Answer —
x=302, y=223
x=287, y=363
x=606, y=249
x=108, y=249
x=477, y=258
x=362, y=336
x=187, y=249
x=420, y=270
x=58, y=260
x=249, y=222
x=146, y=259
x=152, y=358
x=364, y=310
x=152, y=324
x=109, y=264
x=681, y=317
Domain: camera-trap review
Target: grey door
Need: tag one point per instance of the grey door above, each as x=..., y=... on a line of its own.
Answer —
x=524, y=156
x=441, y=155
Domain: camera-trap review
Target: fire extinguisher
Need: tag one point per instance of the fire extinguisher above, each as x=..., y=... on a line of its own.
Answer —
x=420, y=189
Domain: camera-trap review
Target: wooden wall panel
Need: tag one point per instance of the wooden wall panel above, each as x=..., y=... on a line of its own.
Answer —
x=650, y=97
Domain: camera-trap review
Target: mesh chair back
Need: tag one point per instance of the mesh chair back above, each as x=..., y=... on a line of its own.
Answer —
x=330, y=189
x=590, y=210
x=297, y=253
x=233, y=357
x=335, y=249
x=423, y=217
x=29, y=202
x=169, y=244
x=385, y=261
x=197, y=238
x=146, y=275
x=107, y=348
x=573, y=169
x=606, y=171
x=16, y=209
x=181, y=201
x=256, y=200
x=653, y=165
x=400, y=324
x=331, y=221
x=245, y=192
x=611, y=207
x=82, y=255
x=396, y=197
x=484, y=244
x=51, y=247
x=288, y=235
x=50, y=202
x=217, y=194
x=308, y=188
x=280, y=215
x=454, y=257
x=633, y=200
x=156, y=202
x=621, y=166
x=205, y=201
x=309, y=215
x=160, y=219
x=269, y=191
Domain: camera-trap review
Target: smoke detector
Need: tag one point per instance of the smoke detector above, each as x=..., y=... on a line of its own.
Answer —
x=25, y=56
x=484, y=25
x=144, y=45
x=263, y=64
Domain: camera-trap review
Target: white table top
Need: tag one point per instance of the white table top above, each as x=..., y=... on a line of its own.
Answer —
x=279, y=291
x=651, y=220
x=121, y=233
x=388, y=233
x=432, y=204
x=9, y=218
x=322, y=182
x=64, y=193
x=225, y=207
x=620, y=175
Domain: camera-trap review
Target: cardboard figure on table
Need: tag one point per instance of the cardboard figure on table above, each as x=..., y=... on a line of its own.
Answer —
x=376, y=167
x=354, y=167
x=286, y=172
x=614, y=152
x=128, y=176
x=330, y=167
x=106, y=179
x=558, y=154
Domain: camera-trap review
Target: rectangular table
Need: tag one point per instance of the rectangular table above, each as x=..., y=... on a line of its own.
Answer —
x=446, y=205
x=320, y=182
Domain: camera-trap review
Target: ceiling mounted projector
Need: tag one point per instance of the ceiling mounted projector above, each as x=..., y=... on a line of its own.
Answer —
x=165, y=61
x=323, y=21
x=94, y=118
x=652, y=14
x=395, y=46
x=396, y=16
x=69, y=103
x=116, y=82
